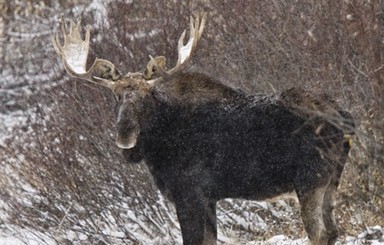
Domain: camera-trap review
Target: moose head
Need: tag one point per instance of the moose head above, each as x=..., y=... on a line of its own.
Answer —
x=131, y=88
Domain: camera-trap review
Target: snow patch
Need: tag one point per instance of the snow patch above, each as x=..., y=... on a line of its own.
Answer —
x=99, y=9
x=22, y=237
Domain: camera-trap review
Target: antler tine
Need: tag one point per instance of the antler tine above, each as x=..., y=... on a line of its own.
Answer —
x=185, y=52
x=74, y=53
x=202, y=24
x=195, y=32
x=180, y=45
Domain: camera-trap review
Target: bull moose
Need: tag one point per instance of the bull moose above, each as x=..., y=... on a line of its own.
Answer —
x=204, y=141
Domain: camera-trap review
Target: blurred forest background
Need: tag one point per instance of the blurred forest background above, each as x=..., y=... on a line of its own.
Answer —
x=62, y=178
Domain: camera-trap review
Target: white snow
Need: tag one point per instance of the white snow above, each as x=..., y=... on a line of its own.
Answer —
x=98, y=7
x=22, y=237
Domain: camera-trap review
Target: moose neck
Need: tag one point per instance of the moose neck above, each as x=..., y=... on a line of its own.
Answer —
x=159, y=110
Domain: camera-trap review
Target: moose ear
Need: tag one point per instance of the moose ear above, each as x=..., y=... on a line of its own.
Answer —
x=155, y=67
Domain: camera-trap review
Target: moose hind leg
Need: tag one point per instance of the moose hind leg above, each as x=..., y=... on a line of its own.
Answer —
x=312, y=215
x=328, y=214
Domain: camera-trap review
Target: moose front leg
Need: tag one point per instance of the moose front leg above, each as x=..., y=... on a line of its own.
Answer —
x=210, y=236
x=191, y=215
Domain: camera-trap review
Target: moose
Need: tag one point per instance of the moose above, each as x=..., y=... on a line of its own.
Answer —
x=204, y=141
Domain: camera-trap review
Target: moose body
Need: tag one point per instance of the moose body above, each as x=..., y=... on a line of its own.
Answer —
x=250, y=147
x=204, y=141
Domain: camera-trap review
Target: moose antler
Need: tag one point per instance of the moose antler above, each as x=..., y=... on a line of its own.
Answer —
x=74, y=54
x=185, y=52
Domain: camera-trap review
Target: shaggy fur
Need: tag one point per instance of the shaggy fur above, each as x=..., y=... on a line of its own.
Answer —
x=203, y=141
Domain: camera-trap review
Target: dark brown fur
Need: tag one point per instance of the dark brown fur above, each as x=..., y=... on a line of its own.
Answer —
x=204, y=141
x=193, y=89
x=308, y=104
